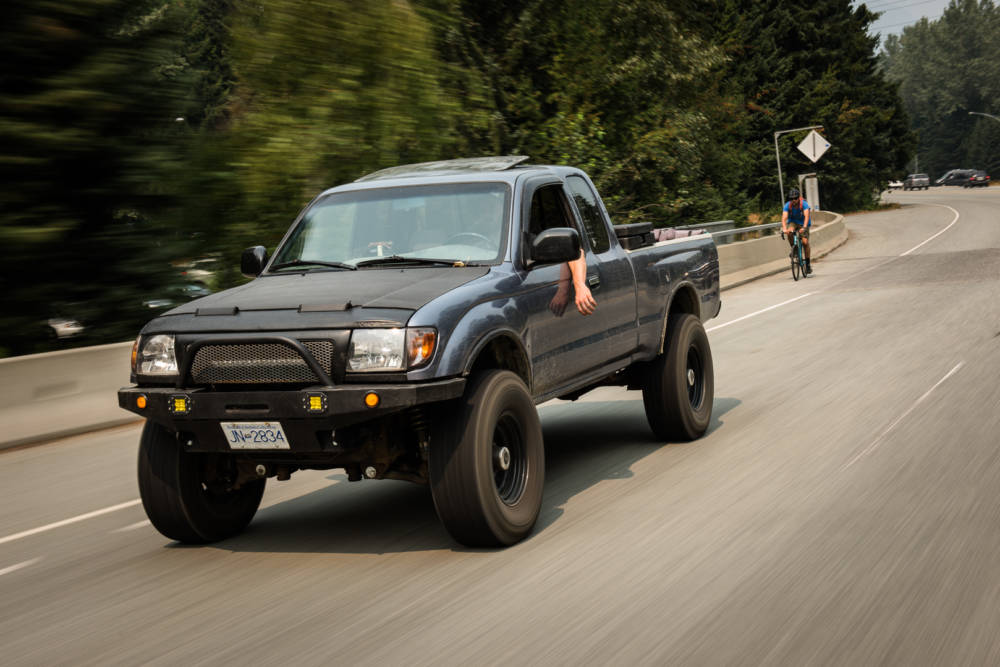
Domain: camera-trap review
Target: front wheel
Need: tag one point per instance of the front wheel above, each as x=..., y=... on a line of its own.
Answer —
x=487, y=463
x=796, y=267
x=189, y=497
x=680, y=383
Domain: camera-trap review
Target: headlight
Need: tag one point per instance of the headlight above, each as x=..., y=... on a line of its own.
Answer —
x=375, y=350
x=157, y=357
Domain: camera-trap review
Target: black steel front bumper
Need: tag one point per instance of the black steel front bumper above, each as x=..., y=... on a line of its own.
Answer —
x=308, y=416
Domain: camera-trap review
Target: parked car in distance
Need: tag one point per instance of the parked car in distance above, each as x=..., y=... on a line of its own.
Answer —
x=980, y=179
x=916, y=182
x=64, y=328
x=895, y=185
x=955, y=177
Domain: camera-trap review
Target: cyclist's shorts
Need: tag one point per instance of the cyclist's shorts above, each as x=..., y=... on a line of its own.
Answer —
x=794, y=228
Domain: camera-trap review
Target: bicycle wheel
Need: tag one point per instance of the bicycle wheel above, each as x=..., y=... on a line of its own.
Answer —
x=802, y=259
x=796, y=265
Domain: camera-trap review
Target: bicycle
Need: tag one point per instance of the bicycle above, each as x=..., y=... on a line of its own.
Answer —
x=798, y=261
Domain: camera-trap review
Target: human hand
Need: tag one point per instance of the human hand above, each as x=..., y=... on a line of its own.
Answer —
x=558, y=303
x=585, y=302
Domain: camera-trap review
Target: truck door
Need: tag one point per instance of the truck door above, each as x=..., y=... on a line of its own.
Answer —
x=562, y=343
x=609, y=273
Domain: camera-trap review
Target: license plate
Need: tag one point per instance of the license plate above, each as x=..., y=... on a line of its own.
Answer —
x=254, y=435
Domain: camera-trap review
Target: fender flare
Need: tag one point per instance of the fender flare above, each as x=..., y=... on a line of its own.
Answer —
x=694, y=306
x=523, y=368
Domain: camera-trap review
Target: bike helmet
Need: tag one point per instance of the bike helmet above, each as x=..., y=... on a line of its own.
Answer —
x=793, y=193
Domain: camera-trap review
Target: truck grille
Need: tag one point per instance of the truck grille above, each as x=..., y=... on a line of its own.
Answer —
x=258, y=363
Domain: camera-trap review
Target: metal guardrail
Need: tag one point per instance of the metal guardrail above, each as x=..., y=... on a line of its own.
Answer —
x=725, y=235
x=720, y=224
x=723, y=231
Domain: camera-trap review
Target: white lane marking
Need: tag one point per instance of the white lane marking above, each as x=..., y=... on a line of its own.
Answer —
x=133, y=526
x=18, y=566
x=875, y=443
x=739, y=319
x=939, y=233
x=66, y=522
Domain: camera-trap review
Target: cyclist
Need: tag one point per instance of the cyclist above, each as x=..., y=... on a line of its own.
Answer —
x=795, y=218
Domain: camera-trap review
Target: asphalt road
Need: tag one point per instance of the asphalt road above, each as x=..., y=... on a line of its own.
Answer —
x=843, y=509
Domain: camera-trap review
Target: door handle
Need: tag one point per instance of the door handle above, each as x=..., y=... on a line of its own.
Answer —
x=593, y=280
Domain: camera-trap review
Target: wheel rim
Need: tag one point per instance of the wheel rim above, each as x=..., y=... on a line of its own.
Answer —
x=510, y=462
x=694, y=377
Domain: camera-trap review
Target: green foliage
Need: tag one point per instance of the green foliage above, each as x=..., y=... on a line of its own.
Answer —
x=945, y=69
x=326, y=91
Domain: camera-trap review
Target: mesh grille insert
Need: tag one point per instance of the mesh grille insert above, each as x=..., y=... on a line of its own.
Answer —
x=258, y=363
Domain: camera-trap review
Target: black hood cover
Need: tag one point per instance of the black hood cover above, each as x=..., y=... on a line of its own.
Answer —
x=407, y=288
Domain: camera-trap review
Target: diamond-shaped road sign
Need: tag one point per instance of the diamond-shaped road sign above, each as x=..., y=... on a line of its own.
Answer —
x=814, y=145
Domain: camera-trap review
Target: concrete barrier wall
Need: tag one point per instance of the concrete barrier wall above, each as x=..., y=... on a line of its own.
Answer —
x=51, y=395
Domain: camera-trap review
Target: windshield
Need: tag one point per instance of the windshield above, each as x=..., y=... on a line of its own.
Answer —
x=460, y=222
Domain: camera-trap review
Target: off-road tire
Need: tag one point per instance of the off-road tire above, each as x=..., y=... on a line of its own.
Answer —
x=480, y=503
x=676, y=407
x=176, y=500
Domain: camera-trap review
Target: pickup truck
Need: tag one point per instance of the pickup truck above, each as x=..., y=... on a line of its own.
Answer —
x=406, y=327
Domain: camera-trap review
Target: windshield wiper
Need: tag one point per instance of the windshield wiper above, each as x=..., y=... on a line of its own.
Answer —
x=312, y=262
x=399, y=259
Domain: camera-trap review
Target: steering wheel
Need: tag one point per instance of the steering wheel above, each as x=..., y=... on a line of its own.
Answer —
x=477, y=239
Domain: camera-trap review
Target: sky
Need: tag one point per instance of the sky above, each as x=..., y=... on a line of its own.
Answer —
x=897, y=14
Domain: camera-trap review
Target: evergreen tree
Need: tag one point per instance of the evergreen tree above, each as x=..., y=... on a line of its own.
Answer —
x=799, y=65
x=86, y=122
x=622, y=89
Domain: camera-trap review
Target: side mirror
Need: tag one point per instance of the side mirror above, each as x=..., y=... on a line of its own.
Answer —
x=556, y=245
x=253, y=261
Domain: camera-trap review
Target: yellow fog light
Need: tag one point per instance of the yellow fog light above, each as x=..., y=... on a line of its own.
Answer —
x=179, y=405
x=314, y=402
x=140, y=401
x=372, y=400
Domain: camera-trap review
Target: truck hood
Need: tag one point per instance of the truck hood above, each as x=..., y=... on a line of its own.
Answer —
x=395, y=288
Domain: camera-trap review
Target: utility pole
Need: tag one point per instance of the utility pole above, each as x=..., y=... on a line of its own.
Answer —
x=777, y=154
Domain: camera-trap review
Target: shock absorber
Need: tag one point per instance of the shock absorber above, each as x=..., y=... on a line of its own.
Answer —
x=418, y=422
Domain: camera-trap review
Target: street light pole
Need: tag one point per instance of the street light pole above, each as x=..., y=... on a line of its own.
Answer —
x=777, y=154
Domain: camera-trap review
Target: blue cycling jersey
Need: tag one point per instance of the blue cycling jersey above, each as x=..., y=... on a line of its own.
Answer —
x=796, y=215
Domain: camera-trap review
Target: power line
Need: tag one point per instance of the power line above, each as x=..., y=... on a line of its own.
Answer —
x=894, y=3
x=890, y=8
x=876, y=27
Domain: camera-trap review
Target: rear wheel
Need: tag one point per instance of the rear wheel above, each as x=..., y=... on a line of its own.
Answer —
x=188, y=497
x=487, y=463
x=680, y=383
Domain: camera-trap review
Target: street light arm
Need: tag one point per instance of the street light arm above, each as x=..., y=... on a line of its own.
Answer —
x=798, y=129
x=988, y=115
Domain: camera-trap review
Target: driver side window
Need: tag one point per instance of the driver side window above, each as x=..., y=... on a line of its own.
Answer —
x=548, y=210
